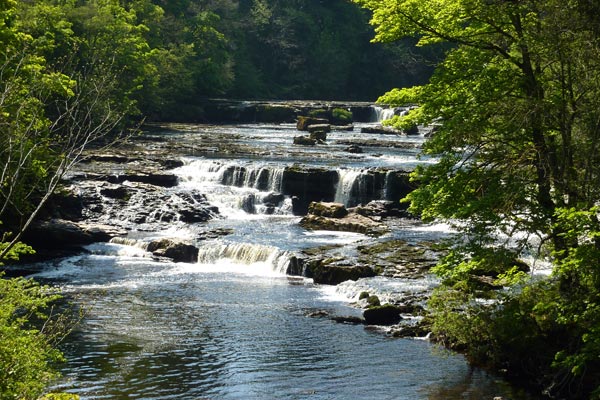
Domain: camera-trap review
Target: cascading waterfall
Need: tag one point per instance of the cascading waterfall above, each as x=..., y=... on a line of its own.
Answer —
x=248, y=188
x=245, y=253
x=381, y=114
x=265, y=178
x=361, y=186
x=346, y=182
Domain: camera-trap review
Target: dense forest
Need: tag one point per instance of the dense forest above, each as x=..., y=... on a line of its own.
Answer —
x=169, y=56
x=512, y=87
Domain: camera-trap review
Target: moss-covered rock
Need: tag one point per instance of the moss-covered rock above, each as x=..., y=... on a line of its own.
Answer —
x=373, y=301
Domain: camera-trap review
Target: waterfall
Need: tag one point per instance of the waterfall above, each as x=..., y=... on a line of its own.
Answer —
x=381, y=114
x=264, y=178
x=246, y=254
x=346, y=182
x=356, y=187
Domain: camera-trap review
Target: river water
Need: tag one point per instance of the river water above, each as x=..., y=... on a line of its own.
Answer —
x=233, y=325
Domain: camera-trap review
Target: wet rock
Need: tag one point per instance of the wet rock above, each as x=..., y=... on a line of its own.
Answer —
x=380, y=129
x=326, y=274
x=351, y=223
x=115, y=192
x=175, y=250
x=354, y=149
x=318, y=314
x=273, y=198
x=306, y=185
x=296, y=266
x=381, y=209
x=58, y=234
x=319, y=136
x=303, y=122
x=412, y=131
x=350, y=320
x=329, y=210
x=66, y=204
x=304, y=141
x=399, y=259
x=411, y=331
x=373, y=301
x=387, y=314
x=155, y=179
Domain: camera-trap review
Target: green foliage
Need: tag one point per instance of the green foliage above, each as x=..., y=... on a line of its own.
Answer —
x=27, y=352
x=518, y=109
x=341, y=116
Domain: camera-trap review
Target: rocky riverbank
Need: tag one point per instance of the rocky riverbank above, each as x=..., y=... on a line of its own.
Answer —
x=139, y=191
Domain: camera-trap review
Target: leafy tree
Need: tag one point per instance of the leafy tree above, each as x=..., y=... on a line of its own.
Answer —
x=516, y=100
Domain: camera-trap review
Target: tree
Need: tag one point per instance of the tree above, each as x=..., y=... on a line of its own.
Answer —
x=517, y=104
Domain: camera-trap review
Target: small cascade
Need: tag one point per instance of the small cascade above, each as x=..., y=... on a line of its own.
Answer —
x=238, y=189
x=346, y=182
x=381, y=114
x=362, y=186
x=264, y=178
x=247, y=254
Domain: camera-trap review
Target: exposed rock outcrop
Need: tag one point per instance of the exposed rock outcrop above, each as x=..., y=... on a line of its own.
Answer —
x=348, y=222
x=387, y=314
x=304, y=141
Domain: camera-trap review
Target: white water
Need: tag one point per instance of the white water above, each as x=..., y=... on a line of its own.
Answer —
x=381, y=114
x=347, y=179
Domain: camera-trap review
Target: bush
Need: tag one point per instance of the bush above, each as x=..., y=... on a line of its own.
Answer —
x=340, y=116
x=28, y=353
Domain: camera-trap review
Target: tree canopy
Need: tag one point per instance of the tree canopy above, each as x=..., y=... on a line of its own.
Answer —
x=516, y=108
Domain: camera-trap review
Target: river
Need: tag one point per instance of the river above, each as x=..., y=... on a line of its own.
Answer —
x=234, y=325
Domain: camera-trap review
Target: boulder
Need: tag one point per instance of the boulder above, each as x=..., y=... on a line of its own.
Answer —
x=319, y=136
x=412, y=131
x=386, y=314
x=305, y=185
x=335, y=274
x=354, y=149
x=304, y=141
x=381, y=209
x=351, y=223
x=329, y=210
x=175, y=250
x=303, y=122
